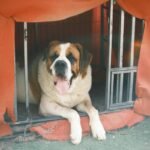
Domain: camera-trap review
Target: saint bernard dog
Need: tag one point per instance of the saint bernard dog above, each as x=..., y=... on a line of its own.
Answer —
x=60, y=80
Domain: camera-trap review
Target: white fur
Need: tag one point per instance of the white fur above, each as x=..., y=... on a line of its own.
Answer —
x=62, y=56
x=20, y=84
x=95, y=123
x=77, y=96
x=53, y=103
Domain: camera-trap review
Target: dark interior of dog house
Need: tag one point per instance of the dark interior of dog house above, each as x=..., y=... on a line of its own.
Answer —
x=115, y=48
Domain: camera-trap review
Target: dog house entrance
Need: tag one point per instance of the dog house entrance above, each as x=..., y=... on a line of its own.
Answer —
x=115, y=73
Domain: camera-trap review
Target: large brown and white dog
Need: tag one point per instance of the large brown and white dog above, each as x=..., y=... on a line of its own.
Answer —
x=60, y=80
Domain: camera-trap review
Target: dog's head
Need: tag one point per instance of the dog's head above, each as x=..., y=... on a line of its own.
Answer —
x=65, y=61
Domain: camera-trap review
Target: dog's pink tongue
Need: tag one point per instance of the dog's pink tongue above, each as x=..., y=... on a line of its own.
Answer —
x=62, y=86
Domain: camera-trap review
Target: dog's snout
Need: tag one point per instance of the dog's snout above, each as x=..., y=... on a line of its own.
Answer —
x=60, y=64
x=60, y=67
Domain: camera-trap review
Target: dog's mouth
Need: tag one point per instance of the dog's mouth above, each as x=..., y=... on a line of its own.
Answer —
x=62, y=85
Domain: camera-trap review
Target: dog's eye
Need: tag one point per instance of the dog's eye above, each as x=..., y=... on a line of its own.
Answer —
x=53, y=57
x=71, y=58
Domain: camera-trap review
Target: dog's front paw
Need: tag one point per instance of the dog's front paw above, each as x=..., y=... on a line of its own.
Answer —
x=98, y=131
x=76, y=135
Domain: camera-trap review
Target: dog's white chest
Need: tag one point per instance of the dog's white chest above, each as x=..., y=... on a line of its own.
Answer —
x=70, y=100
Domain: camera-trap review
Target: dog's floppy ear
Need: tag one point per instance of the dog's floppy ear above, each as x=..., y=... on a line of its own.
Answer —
x=47, y=49
x=85, y=59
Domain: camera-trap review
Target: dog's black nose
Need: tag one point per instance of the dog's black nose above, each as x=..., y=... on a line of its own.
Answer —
x=60, y=68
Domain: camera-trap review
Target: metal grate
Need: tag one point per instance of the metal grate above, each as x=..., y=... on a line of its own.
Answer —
x=120, y=81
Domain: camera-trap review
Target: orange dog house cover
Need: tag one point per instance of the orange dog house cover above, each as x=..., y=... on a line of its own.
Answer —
x=12, y=11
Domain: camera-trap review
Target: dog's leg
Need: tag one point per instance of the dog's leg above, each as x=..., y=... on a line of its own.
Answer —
x=47, y=108
x=95, y=123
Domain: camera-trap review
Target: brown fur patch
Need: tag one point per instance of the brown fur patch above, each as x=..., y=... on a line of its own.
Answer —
x=85, y=59
x=53, y=49
x=74, y=51
x=82, y=57
x=48, y=64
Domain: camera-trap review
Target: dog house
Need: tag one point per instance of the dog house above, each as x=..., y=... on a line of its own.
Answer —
x=113, y=36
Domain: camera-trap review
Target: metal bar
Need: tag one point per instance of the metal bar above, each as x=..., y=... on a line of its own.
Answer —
x=131, y=76
x=124, y=71
x=117, y=87
x=111, y=90
x=121, y=105
x=120, y=60
x=120, y=56
x=129, y=69
x=130, y=86
x=107, y=93
x=132, y=42
x=26, y=68
x=42, y=119
x=15, y=87
x=121, y=87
